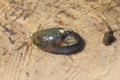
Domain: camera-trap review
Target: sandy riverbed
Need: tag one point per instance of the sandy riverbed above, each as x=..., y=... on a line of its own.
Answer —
x=21, y=60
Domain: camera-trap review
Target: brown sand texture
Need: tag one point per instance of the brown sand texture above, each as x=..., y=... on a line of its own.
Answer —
x=21, y=60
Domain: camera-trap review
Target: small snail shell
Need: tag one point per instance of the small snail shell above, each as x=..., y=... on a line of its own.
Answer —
x=108, y=38
x=58, y=41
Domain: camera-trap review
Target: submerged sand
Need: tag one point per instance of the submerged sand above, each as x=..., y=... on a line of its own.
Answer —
x=21, y=60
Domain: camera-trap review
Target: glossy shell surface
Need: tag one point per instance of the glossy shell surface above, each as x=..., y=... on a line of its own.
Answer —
x=58, y=41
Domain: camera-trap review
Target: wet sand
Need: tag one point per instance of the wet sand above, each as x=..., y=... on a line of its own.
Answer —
x=21, y=60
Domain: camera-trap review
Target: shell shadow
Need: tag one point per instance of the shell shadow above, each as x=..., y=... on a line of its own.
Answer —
x=81, y=45
x=69, y=50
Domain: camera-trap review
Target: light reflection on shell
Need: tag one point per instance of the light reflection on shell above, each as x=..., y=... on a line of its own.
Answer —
x=58, y=41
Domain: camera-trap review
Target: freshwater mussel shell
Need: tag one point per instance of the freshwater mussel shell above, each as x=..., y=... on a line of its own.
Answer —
x=50, y=41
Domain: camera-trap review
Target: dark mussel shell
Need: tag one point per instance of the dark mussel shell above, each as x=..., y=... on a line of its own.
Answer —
x=58, y=41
